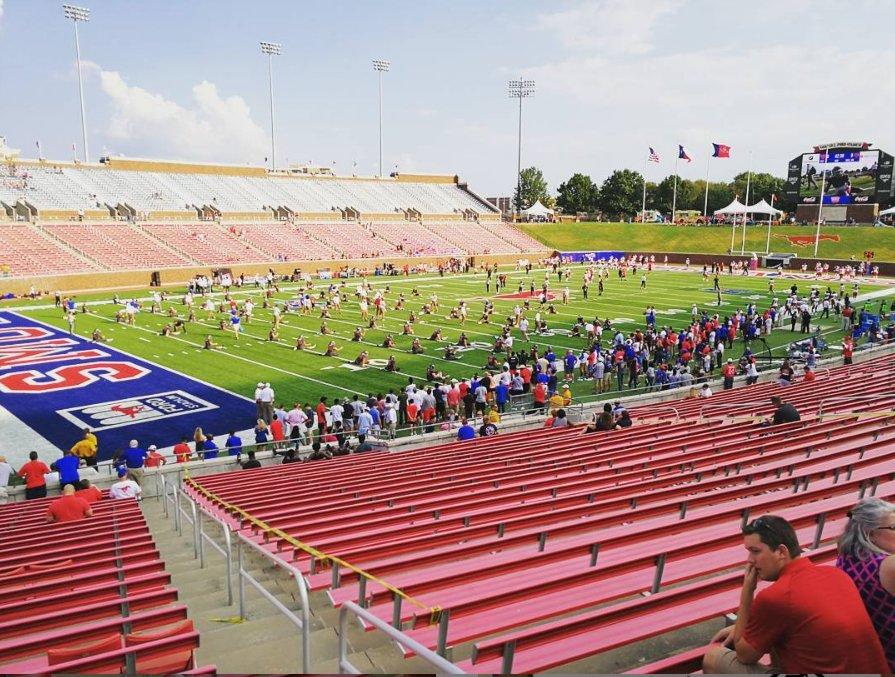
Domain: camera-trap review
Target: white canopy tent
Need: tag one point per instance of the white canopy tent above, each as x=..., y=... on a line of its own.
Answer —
x=886, y=212
x=762, y=208
x=735, y=207
x=537, y=210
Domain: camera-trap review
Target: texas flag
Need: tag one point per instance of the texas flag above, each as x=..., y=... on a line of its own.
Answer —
x=682, y=154
x=720, y=150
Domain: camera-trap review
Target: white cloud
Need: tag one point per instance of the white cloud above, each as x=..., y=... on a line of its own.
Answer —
x=210, y=128
x=613, y=26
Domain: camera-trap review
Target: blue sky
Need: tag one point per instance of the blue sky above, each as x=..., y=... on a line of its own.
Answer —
x=186, y=80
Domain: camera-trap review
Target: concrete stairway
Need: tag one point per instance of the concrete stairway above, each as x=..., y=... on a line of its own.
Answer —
x=266, y=642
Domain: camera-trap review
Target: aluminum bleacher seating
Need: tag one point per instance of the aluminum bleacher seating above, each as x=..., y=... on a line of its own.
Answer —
x=27, y=251
x=536, y=548
x=90, y=596
x=116, y=246
x=208, y=243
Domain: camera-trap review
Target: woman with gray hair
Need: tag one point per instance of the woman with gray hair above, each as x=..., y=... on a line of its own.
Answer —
x=867, y=555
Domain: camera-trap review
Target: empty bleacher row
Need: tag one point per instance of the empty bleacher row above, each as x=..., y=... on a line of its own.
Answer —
x=89, y=596
x=537, y=548
x=65, y=187
x=77, y=247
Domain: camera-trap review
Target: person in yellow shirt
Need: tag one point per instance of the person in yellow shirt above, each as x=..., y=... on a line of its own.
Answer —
x=566, y=396
x=556, y=401
x=86, y=448
x=493, y=415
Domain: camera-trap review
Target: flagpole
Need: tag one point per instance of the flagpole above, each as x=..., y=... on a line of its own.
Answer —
x=705, y=203
x=674, y=193
x=748, y=182
x=643, y=211
x=820, y=207
x=767, y=247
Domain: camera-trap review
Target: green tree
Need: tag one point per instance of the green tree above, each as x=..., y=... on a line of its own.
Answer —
x=761, y=186
x=720, y=195
x=578, y=194
x=687, y=195
x=533, y=186
x=621, y=193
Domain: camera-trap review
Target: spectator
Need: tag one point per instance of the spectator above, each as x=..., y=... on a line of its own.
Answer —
x=289, y=456
x=364, y=422
x=706, y=392
x=33, y=472
x=86, y=448
x=182, y=450
x=277, y=434
x=261, y=434
x=624, y=421
x=751, y=373
x=867, y=555
x=153, y=458
x=199, y=441
x=211, y=448
x=363, y=445
x=728, y=372
x=234, y=443
x=605, y=421
x=805, y=631
x=68, y=507
x=133, y=459
x=125, y=487
x=88, y=492
x=560, y=420
x=784, y=376
x=809, y=375
x=784, y=412
x=67, y=467
x=5, y=472
x=251, y=463
x=487, y=429
x=466, y=431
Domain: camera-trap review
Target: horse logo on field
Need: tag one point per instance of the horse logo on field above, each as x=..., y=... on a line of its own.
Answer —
x=117, y=413
x=805, y=240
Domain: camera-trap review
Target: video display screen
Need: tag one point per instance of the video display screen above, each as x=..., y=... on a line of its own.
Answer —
x=847, y=177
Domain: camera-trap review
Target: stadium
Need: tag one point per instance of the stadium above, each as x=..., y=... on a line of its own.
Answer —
x=264, y=418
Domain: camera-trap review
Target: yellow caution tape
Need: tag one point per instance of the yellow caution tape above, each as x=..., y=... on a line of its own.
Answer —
x=434, y=611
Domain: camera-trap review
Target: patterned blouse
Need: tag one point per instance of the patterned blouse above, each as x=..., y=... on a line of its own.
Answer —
x=880, y=604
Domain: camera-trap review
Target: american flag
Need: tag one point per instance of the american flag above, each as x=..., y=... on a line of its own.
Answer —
x=653, y=155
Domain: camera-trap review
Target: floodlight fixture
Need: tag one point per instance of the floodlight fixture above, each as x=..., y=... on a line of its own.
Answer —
x=380, y=66
x=77, y=14
x=520, y=89
x=271, y=49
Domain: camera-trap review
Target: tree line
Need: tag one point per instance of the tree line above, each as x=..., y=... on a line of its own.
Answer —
x=620, y=195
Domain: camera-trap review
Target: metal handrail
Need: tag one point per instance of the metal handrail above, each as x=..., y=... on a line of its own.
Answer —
x=441, y=665
x=226, y=551
x=303, y=623
x=743, y=405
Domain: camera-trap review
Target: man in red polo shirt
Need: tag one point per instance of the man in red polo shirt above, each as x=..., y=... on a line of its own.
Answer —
x=33, y=472
x=848, y=350
x=811, y=619
x=68, y=508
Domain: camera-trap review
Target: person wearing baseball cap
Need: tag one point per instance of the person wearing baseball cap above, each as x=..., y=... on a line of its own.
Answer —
x=153, y=458
x=134, y=459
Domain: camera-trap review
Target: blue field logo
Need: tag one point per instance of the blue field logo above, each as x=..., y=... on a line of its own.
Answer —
x=118, y=413
x=57, y=385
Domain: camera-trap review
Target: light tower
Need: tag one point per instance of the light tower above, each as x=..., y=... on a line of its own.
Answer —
x=380, y=66
x=520, y=89
x=272, y=49
x=77, y=14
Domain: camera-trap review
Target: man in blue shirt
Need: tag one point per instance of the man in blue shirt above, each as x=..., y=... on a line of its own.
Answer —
x=234, y=444
x=67, y=467
x=133, y=458
x=211, y=449
x=466, y=431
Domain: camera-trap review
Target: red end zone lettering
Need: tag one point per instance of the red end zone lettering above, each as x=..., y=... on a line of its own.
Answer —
x=71, y=376
x=41, y=352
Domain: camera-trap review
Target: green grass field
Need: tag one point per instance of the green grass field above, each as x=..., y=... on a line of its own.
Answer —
x=304, y=376
x=852, y=241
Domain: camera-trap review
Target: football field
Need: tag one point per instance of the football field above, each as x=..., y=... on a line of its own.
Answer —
x=303, y=376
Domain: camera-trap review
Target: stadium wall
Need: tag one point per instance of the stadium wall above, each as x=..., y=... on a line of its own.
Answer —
x=133, y=279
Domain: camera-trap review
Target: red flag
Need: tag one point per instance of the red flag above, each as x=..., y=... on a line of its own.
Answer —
x=720, y=150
